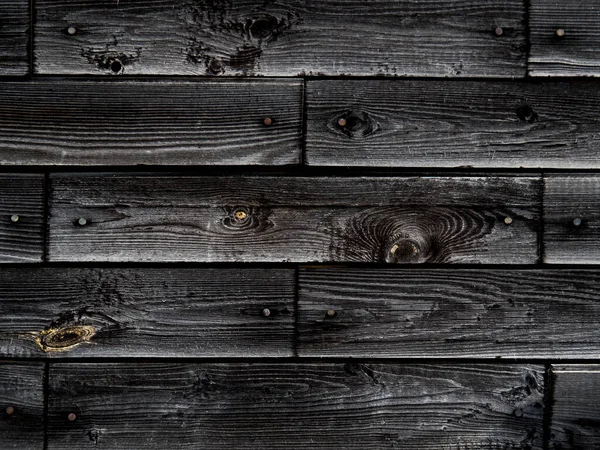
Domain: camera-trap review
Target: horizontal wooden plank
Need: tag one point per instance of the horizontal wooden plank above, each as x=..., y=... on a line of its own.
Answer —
x=437, y=123
x=21, y=218
x=572, y=219
x=293, y=219
x=22, y=405
x=565, y=37
x=147, y=312
x=300, y=406
x=439, y=313
x=575, y=415
x=132, y=122
x=455, y=38
x=14, y=37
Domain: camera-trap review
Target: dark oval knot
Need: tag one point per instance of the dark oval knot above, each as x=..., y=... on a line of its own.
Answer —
x=526, y=114
x=356, y=124
x=262, y=28
x=404, y=250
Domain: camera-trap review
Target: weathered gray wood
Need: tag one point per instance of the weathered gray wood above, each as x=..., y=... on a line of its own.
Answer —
x=439, y=313
x=572, y=219
x=21, y=196
x=455, y=38
x=575, y=423
x=411, y=219
x=147, y=312
x=65, y=122
x=14, y=37
x=299, y=406
x=453, y=124
x=21, y=405
x=574, y=52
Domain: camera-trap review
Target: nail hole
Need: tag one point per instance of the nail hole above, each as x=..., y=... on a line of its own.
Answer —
x=116, y=66
x=526, y=113
x=215, y=67
x=14, y=218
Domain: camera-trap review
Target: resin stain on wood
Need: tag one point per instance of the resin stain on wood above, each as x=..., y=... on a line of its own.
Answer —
x=294, y=219
x=14, y=37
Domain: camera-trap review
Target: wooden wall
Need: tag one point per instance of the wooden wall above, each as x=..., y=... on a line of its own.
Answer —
x=299, y=224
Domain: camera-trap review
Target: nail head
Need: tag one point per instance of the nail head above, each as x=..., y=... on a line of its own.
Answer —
x=268, y=121
x=577, y=221
x=342, y=122
x=508, y=220
x=14, y=218
x=499, y=31
x=72, y=417
x=72, y=30
x=560, y=32
x=10, y=410
x=518, y=412
x=266, y=312
x=331, y=313
x=240, y=215
x=82, y=221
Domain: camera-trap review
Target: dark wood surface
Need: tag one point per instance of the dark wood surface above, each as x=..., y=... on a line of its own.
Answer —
x=22, y=196
x=448, y=38
x=442, y=313
x=133, y=122
x=575, y=53
x=427, y=123
x=575, y=412
x=572, y=219
x=21, y=405
x=14, y=37
x=300, y=406
x=148, y=312
x=294, y=219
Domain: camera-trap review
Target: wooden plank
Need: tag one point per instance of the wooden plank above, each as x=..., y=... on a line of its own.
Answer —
x=14, y=37
x=300, y=406
x=575, y=415
x=21, y=218
x=437, y=123
x=565, y=37
x=441, y=313
x=293, y=219
x=455, y=38
x=147, y=312
x=21, y=405
x=572, y=219
x=158, y=122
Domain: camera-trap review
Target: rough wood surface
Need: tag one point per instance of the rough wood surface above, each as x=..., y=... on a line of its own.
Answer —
x=299, y=406
x=572, y=219
x=294, y=219
x=442, y=313
x=453, y=124
x=453, y=38
x=147, y=312
x=575, y=53
x=14, y=37
x=575, y=422
x=21, y=405
x=133, y=122
x=21, y=196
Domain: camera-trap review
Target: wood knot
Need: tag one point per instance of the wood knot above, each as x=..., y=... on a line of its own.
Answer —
x=262, y=27
x=527, y=114
x=64, y=338
x=355, y=124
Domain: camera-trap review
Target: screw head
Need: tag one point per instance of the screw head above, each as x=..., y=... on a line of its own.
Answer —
x=342, y=122
x=10, y=410
x=82, y=221
x=14, y=218
x=72, y=30
x=577, y=221
x=72, y=417
x=240, y=215
x=331, y=313
x=266, y=312
x=499, y=31
x=508, y=220
x=560, y=33
x=268, y=121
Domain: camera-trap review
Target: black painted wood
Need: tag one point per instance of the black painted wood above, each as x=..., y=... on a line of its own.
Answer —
x=291, y=219
x=21, y=218
x=21, y=405
x=455, y=38
x=565, y=37
x=443, y=313
x=130, y=123
x=453, y=124
x=572, y=219
x=14, y=37
x=575, y=422
x=147, y=312
x=300, y=406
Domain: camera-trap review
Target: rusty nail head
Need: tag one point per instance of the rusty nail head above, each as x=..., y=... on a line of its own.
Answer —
x=576, y=221
x=82, y=221
x=266, y=312
x=342, y=122
x=499, y=31
x=560, y=32
x=72, y=417
x=508, y=220
x=268, y=121
x=72, y=30
x=240, y=214
x=10, y=410
x=14, y=218
x=331, y=313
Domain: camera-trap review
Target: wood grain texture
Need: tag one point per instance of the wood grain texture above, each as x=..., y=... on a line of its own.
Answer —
x=575, y=423
x=572, y=219
x=454, y=38
x=294, y=219
x=132, y=122
x=573, y=54
x=440, y=313
x=299, y=406
x=14, y=37
x=21, y=195
x=22, y=389
x=146, y=312
x=446, y=123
